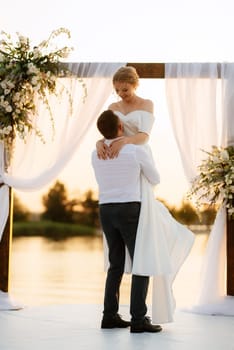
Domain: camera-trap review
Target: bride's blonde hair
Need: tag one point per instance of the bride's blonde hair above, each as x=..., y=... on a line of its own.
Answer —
x=126, y=74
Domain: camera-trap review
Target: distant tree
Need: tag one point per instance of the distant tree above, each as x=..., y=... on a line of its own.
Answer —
x=208, y=214
x=56, y=203
x=188, y=214
x=20, y=212
x=88, y=213
x=185, y=214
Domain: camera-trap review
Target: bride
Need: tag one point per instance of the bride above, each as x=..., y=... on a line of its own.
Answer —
x=162, y=244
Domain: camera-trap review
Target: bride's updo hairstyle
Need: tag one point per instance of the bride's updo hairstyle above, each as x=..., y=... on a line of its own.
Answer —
x=126, y=74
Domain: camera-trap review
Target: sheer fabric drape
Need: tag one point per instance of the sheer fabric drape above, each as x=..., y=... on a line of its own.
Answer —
x=35, y=163
x=200, y=108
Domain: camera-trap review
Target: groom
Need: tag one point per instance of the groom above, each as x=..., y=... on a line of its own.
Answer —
x=119, y=207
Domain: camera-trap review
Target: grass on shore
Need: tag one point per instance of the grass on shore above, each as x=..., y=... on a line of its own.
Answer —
x=51, y=229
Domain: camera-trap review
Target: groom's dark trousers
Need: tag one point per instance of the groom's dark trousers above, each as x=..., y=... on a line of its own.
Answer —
x=119, y=223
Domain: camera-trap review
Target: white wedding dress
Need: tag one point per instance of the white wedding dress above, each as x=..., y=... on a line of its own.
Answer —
x=162, y=244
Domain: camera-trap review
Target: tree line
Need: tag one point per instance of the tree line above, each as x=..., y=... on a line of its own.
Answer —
x=58, y=207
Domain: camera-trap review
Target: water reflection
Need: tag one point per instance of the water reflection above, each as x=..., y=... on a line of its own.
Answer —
x=71, y=271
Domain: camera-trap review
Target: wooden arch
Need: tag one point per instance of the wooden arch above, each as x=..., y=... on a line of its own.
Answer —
x=148, y=71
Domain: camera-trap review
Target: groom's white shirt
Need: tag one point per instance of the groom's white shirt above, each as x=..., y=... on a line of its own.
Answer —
x=119, y=178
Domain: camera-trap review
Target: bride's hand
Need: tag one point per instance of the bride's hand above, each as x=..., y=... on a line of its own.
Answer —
x=102, y=150
x=116, y=146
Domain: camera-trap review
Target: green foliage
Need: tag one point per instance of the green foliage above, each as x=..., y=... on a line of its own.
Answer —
x=51, y=229
x=27, y=73
x=188, y=214
x=83, y=212
x=57, y=206
x=215, y=181
x=89, y=214
x=20, y=212
x=208, y=214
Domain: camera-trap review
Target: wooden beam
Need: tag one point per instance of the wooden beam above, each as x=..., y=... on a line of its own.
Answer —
x=5, y=248
x=145, y=70
x=149, y=70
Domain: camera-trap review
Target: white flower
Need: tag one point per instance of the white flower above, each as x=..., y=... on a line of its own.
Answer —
x=16, y=97
x=228, y=181
x=216, y=159
x=231, y=211
x=20, y=128
x=32, y=68
x=36, y=52
x=215, y=181
x=52, y=78
x=26, y=75
x=3, y=84
x=37, y=87
x=23, y=40
x=224, y=155
x=10, y=84
x=8, y=109
x=7, y=130
x=34, y=80
x=22, y=135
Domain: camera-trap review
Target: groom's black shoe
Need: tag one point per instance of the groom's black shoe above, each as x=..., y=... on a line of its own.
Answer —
x=114, y=322
x=145, y=326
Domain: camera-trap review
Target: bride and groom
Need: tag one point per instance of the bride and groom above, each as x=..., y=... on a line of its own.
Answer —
x=160, y=244
x=119, y=181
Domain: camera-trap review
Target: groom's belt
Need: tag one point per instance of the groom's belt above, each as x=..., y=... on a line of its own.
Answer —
x=119, y=203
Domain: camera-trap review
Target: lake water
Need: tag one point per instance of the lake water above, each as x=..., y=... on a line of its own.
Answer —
x=71, y=271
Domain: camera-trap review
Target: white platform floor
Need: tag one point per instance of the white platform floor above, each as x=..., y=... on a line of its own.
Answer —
x=77, y=327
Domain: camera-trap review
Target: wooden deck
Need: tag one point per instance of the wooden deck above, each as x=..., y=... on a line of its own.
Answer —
x=77, y=327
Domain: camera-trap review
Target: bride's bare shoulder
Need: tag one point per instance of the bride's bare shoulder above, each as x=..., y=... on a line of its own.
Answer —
x=114, y=106
x=148, y=105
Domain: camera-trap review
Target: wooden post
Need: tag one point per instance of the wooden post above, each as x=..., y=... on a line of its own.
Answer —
x=230, y=256
x=5, y=248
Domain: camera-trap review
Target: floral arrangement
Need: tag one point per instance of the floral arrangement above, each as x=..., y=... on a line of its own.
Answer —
x=215, y=182
x=26, y=74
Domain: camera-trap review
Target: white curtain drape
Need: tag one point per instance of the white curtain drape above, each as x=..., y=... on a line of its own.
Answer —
x=200, y=106
x=35, y=163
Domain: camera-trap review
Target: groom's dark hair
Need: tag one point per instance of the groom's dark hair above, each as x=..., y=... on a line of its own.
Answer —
x=108, y=124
